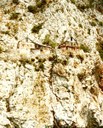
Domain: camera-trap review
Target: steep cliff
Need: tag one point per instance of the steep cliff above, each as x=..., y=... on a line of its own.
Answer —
x=51, y=68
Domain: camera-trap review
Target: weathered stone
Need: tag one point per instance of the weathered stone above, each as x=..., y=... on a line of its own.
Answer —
x=47, y=80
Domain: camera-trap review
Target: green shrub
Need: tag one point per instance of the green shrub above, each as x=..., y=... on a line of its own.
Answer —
x=1, y=49
x=100, y=49
x=32, y=9
x=15, y=1
x=36, y=28
x=40, y=3
x=48, y=41
x=85, y=48
x=83, y=7
x=5, y=32
x=73, y=1
x=14, y=16
x=91, y=2
x=91, y=120
x=89, y=31
x=93, y=23
x=101, y=23
x=80, y=25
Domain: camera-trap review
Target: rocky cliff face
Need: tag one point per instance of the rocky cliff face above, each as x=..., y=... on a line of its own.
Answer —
x=51, y=69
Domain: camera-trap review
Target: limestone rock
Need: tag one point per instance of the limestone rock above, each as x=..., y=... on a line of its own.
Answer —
x=51, y=64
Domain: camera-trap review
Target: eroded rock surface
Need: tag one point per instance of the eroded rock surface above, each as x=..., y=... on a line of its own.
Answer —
x=51, y=64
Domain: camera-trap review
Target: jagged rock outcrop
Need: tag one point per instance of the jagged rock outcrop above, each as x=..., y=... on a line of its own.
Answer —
x=51, y=66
